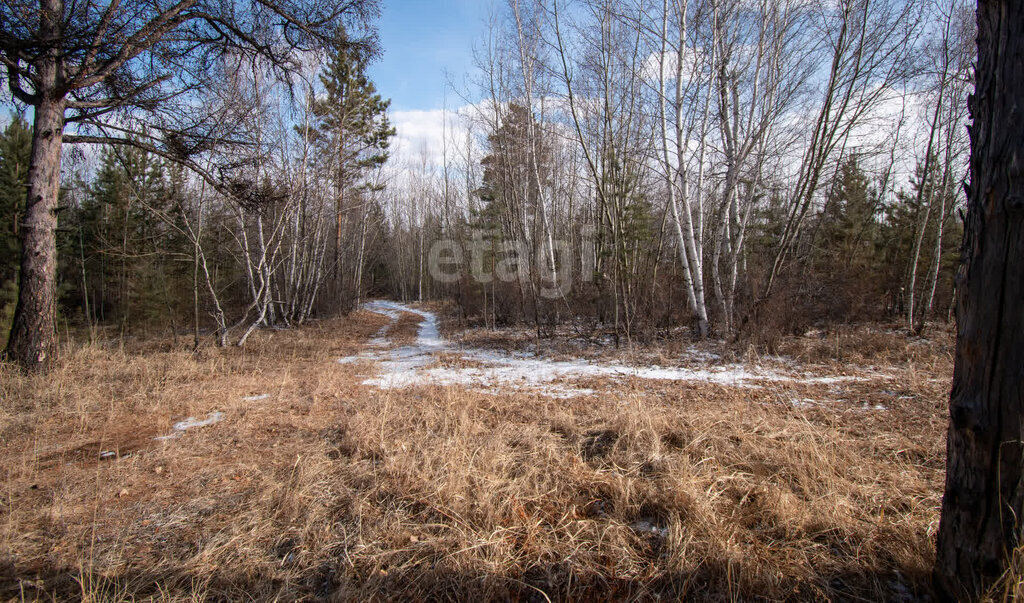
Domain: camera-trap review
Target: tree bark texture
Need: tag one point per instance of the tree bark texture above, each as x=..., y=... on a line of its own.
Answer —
x=982, y=508
x=33, y=340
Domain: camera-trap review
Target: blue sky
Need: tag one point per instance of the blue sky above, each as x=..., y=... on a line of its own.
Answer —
x=421, y=39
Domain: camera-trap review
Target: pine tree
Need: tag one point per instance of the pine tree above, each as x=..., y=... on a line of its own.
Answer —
x=15, y=151
x=844, y=262
x=850, y=220
x=510, y=197
x=352, y=119
x=353, y=134
x=910, y=221
x=124, y=247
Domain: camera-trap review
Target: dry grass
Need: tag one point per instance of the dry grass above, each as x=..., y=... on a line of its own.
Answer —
x=1010, y=586
x=874, y=344
x=404, y=331
x=330, y=489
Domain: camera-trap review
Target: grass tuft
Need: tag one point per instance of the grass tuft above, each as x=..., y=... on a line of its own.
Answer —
x=327, y=488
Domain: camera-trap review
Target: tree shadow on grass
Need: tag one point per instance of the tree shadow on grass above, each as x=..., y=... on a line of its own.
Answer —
x=336, y=581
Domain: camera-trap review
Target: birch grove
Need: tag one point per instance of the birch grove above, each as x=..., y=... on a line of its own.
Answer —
x=626, y=169
x=709, y=140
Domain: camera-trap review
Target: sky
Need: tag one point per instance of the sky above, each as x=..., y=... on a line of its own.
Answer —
x=427, y=46
x=421, y=40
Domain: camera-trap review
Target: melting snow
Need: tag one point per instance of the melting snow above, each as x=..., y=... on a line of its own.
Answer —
x=410, y=365
x=867, y=406
x=181, y=427
x=647, y=527
x=428, y=337
x=389, y=309
x=256, y=398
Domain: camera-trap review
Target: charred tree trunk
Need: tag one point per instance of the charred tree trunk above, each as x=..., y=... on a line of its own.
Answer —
x=33, y=341
x=984, y=502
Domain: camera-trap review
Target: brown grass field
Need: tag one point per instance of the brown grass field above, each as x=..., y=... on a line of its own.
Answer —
x=332, y=490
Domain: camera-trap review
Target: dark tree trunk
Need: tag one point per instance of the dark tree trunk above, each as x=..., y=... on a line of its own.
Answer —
x=33, y=342
x=984, y=500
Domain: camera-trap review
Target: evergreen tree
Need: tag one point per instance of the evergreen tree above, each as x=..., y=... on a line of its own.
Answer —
x=913, y=215
x=849, y=222
x=630, y=209
x=352, y=118
x=15, y=151
x=844, y=261
x=124, y=250
x=509, y=190
x=510, y=200
x=627, y=227
x=353, y=134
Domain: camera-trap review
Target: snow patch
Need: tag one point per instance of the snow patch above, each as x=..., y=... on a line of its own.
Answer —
x=409, y=366
x=699, y=355
x=383, y=307
x=649, y=528
x=181, y=427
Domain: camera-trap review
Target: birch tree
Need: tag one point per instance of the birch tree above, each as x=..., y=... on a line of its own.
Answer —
x=949, y=58
x=867, y=43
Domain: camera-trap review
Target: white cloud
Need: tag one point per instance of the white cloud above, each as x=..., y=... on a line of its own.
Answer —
x=426, y=135
x=693, y=61
x=421, y=134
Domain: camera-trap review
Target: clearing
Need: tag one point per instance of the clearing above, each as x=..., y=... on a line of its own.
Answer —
x=390, y=454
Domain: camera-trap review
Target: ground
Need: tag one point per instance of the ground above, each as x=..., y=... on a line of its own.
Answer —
x=388, y=454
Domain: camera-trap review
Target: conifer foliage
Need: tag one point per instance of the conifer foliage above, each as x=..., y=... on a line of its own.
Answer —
x=352, y=135
x=15, y=148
